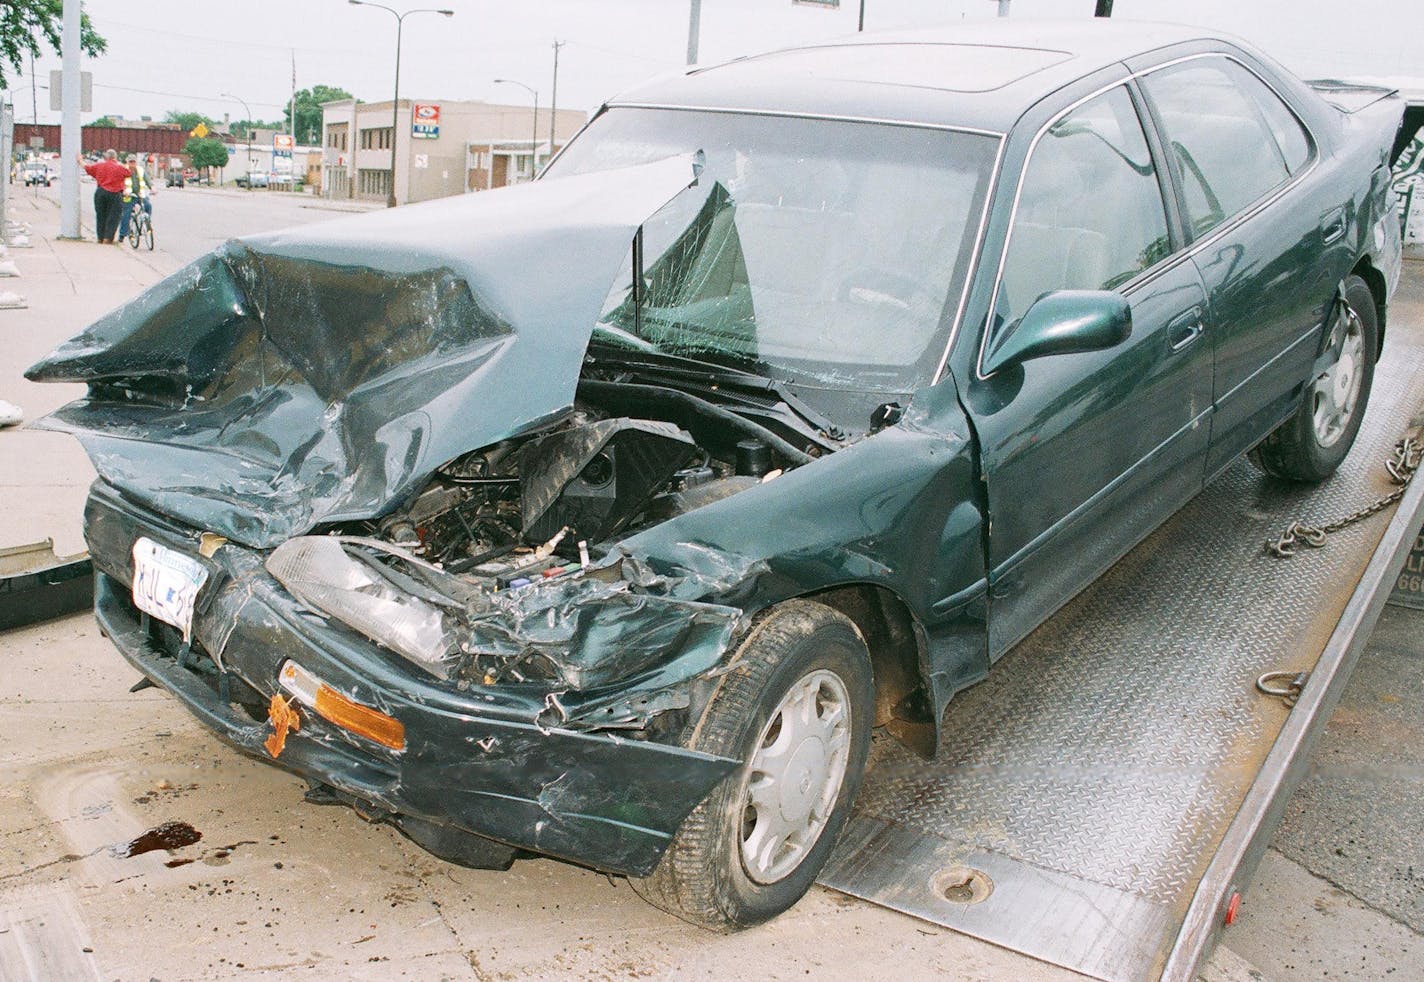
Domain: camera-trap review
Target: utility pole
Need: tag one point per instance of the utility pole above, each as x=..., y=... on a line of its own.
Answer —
x=7, y=136
x=554, y=98
x=1104, y=8
x=292, y=109
x=860, y=24
x=694, y=28
x=69, y=134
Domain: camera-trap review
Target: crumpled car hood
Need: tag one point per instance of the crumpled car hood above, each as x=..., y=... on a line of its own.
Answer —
x=321, y=374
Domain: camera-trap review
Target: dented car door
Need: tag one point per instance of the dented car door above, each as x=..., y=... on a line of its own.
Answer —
x=1085, y=452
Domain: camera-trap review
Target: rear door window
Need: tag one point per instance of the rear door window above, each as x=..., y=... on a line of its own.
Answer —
x=1229, y=138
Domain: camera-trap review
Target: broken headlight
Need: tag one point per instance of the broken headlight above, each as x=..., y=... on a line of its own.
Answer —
x=320, y=572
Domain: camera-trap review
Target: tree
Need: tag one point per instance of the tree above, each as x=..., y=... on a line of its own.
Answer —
x=24, y=24
x=104, y=123
x=205, y=152
x=309, y=108
x=242, y=129
x=188, y=120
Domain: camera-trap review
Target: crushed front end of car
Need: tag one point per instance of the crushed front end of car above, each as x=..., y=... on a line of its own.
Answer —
x=481, y=732
x=357, y=511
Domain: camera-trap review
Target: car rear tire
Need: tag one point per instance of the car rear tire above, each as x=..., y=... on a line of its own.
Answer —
x=797, y=708
x=1314, y=441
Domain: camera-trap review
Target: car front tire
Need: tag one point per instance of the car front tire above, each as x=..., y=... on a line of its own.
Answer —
x=1313, y=443
x=797, y=708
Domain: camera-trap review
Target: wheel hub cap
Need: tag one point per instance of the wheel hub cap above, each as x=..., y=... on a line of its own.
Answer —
x=794, y=776
x=1337, y=390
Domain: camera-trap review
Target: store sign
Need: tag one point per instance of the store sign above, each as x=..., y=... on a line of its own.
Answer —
x=282, y=144
x=425, y=121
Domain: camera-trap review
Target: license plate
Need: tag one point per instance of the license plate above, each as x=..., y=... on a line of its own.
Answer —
x=166, y=584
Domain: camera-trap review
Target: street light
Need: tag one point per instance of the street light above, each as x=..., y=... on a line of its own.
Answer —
x=395, y=100
x=534, y=143
x=248, y=110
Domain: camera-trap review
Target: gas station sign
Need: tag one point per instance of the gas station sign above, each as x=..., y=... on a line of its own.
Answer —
x=425, y=121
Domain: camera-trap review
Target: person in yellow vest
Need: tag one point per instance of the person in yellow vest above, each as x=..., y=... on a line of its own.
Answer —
x=136, y=186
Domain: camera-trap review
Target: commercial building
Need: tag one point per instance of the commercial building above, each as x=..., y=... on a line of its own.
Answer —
x=442, y=147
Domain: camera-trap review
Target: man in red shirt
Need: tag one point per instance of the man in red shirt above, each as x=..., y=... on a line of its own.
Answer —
x=109, y=175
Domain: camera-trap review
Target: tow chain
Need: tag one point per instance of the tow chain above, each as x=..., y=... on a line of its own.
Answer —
x=1402, y=465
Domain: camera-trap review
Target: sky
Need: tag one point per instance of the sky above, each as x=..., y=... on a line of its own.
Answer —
x=190, y=54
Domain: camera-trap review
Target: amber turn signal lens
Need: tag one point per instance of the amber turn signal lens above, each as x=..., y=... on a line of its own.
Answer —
x=336, y=708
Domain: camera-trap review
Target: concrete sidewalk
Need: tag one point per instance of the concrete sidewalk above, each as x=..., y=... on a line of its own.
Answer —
x=44, y=476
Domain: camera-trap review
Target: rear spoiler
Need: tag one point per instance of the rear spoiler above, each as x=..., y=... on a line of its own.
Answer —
x=1352, y=97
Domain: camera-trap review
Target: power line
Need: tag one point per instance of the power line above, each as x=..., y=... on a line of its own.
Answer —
x=173, y=95
x=670, y=62
x=227, y=43
x=190, y=96
x=364, y=52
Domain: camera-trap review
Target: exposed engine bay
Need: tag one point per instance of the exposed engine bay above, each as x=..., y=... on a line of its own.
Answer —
x=503, y=569
x=504, y=513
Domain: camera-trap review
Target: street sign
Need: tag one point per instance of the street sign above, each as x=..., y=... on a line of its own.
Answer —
x=422, y=161
x=199, y=131
x=56, y=91
x=282, y=144
x=425, y=121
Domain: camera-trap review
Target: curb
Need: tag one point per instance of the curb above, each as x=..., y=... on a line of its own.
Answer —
x=349, y=211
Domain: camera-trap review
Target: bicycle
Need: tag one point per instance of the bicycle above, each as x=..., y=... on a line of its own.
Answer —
x=140, y=226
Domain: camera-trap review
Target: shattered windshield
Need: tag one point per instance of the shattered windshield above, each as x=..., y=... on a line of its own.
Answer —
x=821, y=252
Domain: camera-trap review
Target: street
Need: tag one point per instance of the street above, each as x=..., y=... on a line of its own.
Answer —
x=192, y=220
x=282, y=887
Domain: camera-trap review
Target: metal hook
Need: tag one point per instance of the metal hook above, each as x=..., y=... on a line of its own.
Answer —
x=1289, y=692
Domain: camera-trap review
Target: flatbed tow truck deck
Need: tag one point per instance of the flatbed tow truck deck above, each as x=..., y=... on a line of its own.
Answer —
x=1099, y=800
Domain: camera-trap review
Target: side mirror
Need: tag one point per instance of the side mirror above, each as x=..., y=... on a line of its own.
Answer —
x=1063, y=322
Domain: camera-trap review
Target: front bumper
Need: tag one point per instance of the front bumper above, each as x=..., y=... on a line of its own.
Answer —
x=473, y=760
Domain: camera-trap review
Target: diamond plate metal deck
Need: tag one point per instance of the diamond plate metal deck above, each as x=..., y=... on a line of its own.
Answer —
x=1094, y=774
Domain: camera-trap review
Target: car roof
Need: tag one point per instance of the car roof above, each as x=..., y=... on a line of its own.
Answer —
x=981, y=75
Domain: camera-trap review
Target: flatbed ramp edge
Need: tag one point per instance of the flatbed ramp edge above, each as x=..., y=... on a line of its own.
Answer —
x=1100, y=798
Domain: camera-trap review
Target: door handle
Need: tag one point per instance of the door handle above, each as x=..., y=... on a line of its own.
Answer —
x=1332, y=226
x=1185, y=329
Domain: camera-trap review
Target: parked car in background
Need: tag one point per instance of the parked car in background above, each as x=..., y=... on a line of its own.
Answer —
x=38, y=173
x=527, y=541
x=174, y=178
x=253, y=179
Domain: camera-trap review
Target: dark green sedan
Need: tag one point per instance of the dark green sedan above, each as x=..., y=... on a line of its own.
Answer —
x=603, y=517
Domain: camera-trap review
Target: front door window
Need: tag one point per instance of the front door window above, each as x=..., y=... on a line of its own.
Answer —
x=1090, y=212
